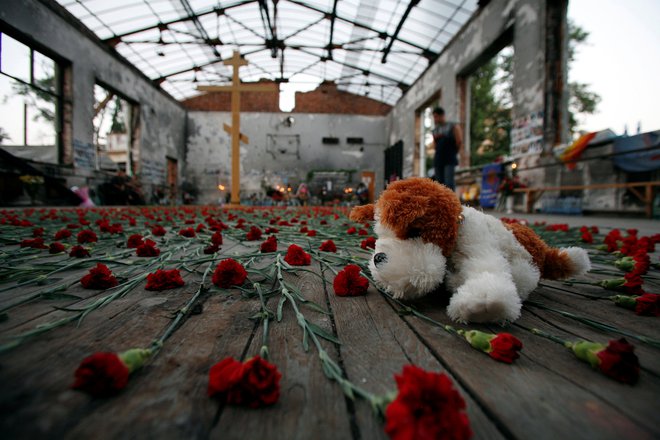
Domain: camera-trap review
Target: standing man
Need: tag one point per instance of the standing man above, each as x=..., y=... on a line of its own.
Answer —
x=448, y=144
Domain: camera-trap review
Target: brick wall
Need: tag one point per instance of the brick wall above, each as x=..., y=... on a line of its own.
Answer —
x=325, y=99
x=250, y=101
x=328, y=99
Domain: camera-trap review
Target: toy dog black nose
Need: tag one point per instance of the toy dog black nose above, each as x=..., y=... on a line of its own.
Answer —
x=380, y=258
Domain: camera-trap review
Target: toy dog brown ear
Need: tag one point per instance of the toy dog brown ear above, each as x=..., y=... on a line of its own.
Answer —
x=362, y=213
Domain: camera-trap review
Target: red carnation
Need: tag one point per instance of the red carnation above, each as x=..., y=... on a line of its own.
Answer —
x=87, y=236
x=502, y=347
x=587, y=237
x=134, y=241
x=633, y=283
x=99, y=277
x=369, y=243
x=648, y=305
x=363, y=232
x=35, y=243
x=619, y=361
x=216, y=238
x=223, y=378
x=254, y=384
x=79, y=252
x=505, y=348
x=270, y=245
x=311, y=233
x=349, y=282
x=260, y=383
x=616, y=360
x=101, y=375
x=38, y=232
x=211, y=249
x=426, y=407
x=187, y=232
x=271, y=231
x=229, y=273
x=328, y=246
x=253, y=234
x=148, y=249
x=296, y=256
x=351, y=230
x=158, y=231
x=62, y=234
x=56, y=248
x=164, y=280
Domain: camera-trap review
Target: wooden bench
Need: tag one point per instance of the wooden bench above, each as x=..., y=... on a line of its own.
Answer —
x=533, y=194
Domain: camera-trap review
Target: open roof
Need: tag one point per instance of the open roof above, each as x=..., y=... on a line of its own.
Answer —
x=369, y=47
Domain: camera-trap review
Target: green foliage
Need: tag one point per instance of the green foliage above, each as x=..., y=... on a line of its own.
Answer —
x=118, y=125
x=490, y=110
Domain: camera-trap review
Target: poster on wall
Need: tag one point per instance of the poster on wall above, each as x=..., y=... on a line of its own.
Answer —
x=84, y=154
x=490, y=182
x=152, y=171
x=527, y=134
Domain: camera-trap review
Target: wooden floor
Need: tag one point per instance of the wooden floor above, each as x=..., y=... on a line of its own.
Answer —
x=546, y=394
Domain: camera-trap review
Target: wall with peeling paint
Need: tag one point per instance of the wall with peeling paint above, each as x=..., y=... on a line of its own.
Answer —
x=277, y=153
x=162, y=119
x=465, y=53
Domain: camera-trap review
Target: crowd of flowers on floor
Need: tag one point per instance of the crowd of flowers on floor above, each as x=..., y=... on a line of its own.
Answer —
x=426, y=404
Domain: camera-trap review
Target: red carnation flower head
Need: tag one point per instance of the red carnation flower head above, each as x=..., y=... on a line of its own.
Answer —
x=254, y=384
x=79, y=252
x=229, y=273
x=35, y=243
x=158, y=231
x=328, y=246
x=269, y=245
x=187, y=232
x=216, y=238
x=363, y=232
x=211, y=249
x=38, y=232
x=134, y=241
x=101, y=375
x=200, y=227
x=502, y=347
x=595, y=230
x=587, y=237
x=253, y=234
x=62, y=234
x=164, y=280
x=616, y=360
x=311, y=233
x=296, y=256
x=56, y=248
x=369, y=243
x=349, y=282
x=642, y=262
x=427, y=406
x=633, y=283
x=271, y=230
x=352, y=230
x=99, y=277
x=223, y=378
x=148, y=249
x=647, y=304
x=87, y=236
x=304, y=229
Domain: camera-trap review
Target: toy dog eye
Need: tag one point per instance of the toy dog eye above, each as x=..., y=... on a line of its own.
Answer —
x=414, y=232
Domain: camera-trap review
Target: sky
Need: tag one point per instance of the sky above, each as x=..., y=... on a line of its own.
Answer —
x=621, y=61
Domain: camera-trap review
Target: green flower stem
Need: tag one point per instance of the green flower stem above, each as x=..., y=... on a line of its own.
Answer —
x=331, y=369
x=596, y=324
x=538, y=332
x=157, y=344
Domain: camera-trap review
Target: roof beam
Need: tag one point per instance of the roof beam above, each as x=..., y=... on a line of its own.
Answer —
x=395, y=35
x=198, y=25
x=333, y=16
x=116, y=39
x=383, y=35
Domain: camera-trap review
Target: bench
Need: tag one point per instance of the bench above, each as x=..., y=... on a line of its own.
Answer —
x=646, y=196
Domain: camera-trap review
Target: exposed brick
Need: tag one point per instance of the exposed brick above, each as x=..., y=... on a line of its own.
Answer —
x=324, y=99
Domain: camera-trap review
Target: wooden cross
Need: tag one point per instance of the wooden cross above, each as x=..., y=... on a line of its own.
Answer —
x=236, y=61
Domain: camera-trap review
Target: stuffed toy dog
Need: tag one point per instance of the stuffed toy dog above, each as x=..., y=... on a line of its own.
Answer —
x=425, y=236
